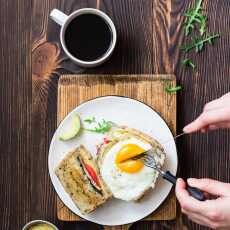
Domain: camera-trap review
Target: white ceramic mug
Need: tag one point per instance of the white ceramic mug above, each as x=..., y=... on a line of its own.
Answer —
x=63, y=20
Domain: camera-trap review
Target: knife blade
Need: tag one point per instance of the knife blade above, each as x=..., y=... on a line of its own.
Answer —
x=174, y=138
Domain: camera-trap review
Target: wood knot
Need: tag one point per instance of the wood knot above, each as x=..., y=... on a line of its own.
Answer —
x=45, y=59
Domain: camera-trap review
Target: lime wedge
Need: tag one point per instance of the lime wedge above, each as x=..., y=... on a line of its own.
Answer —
x=74, y=130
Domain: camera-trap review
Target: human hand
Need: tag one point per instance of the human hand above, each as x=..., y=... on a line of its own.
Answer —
x=216, y=114
x=213, y=213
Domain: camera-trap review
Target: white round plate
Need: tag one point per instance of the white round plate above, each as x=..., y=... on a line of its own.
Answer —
x=122, y=111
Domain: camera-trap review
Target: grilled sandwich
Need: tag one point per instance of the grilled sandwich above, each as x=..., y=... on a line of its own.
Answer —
x=81, y=179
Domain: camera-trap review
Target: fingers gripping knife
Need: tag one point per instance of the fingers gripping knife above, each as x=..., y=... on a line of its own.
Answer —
x=149, y=161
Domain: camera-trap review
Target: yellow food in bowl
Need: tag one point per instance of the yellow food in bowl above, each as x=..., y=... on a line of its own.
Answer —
x=41, y=227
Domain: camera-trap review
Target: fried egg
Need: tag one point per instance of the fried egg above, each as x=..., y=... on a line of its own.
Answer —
x=126, y=178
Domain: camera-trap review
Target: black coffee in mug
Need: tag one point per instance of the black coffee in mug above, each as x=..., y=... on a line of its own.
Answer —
x=88, y=37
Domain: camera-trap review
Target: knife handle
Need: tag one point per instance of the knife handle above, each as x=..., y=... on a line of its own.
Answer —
x=194, y=192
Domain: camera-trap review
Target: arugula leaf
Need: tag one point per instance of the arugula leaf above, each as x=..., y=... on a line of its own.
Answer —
x=102, y=127
x=203, y=25
x=90, y=120
x=194, y=16
x=172, y=89
x=199, y=42
x=188, y=62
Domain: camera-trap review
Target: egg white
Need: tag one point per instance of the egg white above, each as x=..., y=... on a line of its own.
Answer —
x=126, y=186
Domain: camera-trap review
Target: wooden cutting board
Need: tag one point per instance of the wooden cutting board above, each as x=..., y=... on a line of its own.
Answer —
x=74, y=89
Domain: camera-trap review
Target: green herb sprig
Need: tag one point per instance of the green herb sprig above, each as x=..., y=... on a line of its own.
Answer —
x=102, y=127
x=188, y=62
x=196, y=20
x=199, y=42
x=171, y=89
x=90, y=120
x=194, y=16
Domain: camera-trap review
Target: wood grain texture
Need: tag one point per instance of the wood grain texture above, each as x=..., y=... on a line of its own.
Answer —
x=208, y=155
x=150, y=89
x=15, y=114
x=150, y=34
x=122, y=227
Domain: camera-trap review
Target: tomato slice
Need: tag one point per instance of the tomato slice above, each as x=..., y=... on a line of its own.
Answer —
x=92, y=174
x=106, y=140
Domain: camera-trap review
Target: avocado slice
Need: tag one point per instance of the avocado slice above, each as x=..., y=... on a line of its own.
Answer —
x=74, y=130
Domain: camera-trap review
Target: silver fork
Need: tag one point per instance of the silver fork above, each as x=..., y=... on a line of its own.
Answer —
x=149, y=161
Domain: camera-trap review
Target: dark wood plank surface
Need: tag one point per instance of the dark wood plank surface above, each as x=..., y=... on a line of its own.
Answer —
x=150, y=33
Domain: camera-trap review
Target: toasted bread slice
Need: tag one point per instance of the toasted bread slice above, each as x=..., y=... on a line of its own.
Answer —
x=81, y=179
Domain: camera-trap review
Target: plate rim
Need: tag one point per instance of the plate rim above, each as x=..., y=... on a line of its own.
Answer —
x=69, y=113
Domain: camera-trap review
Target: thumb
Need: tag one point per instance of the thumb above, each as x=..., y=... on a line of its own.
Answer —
x=211, y=186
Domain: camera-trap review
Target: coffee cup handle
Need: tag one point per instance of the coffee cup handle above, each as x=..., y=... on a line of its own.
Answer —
x=59, y=17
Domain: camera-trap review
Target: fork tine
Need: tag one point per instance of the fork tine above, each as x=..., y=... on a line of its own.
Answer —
x=149, y=160
x=149, y=164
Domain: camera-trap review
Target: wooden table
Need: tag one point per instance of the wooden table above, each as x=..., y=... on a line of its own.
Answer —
x=150, y=34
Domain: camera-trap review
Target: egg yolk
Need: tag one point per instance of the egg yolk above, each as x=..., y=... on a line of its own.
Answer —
x=126, y=152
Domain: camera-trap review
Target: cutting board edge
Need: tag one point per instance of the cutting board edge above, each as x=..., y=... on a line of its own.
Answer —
x=68, y=79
